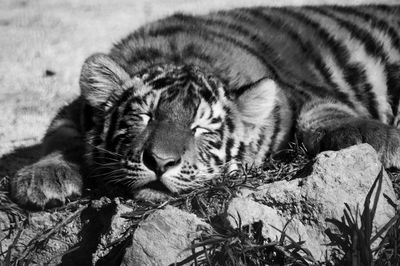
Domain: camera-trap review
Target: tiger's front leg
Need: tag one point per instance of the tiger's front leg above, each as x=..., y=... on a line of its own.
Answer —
x=331, y=126
x=56, y=177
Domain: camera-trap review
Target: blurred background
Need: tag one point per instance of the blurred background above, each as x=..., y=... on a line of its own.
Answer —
x=43, y=44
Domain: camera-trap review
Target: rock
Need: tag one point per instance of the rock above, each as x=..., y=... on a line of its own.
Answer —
x=80, y=235
x=43, y=252
x=251, y=212
x=115, y=229
x=334, y=179
x=162, y=238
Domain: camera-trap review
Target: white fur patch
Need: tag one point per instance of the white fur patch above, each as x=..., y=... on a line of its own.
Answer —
x=256, y=103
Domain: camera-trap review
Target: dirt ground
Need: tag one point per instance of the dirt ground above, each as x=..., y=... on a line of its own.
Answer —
x=44, y=43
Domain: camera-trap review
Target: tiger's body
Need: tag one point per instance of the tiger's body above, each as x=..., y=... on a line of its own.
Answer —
x=185, y=97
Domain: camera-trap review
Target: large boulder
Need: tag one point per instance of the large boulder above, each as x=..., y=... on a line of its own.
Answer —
x=163, y=238
x=319, y=193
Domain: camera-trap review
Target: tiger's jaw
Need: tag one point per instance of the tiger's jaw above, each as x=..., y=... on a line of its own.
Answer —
x=156, y=187
x=152, y=195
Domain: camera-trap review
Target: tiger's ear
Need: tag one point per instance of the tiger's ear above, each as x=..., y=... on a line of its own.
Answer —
x=101, y=76
x=258, y=101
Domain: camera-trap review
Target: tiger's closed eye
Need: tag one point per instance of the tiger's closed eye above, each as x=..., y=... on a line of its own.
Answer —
x=198, y=131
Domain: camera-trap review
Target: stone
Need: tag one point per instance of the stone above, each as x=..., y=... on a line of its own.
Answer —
x=115, y=229
x=163, y=237
x=39, y=224
x=320, y=193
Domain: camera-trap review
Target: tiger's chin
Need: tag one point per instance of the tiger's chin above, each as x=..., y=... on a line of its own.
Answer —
x=152, y=195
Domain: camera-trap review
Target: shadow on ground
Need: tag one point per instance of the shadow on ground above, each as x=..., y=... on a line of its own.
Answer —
x=96, y=222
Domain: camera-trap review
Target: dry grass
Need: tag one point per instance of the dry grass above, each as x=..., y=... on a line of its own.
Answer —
x=224, y=245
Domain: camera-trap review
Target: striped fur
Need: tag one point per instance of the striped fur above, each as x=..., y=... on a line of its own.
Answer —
x=183, y=98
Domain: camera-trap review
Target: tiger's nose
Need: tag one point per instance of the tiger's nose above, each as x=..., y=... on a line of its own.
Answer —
x=160, y=164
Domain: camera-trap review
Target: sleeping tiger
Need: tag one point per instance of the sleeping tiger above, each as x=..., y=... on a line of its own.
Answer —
x=182, y=99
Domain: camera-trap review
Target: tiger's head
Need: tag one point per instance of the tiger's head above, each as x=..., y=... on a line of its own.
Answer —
x=171, y=128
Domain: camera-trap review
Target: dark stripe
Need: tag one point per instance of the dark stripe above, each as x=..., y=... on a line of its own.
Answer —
x=228, y=120
x=191, y=26
x=220, y=131
x=114, y=119
x=373, y=47
x=260, y=45
x=195, y=51
x=165, y=30
x=229, y=124
x=353, y=74
x=204, y=156
x=217, y=160
x=307, y=48
x=394, y=86
x=386, y=8
x=144, y=54
x=272, y=55
x=127, y=108
x=210, y=114
x=375, y=22
x=116, y=141
x=228, y=149
x=210, y=169
x=215, y=144
x=261, y=138
x=207, y=95
x=122, y=99
x=277, y=127
x=161, y=83
x=216, y=120
x=152, y=74
x=241, y=150
x=393, y=70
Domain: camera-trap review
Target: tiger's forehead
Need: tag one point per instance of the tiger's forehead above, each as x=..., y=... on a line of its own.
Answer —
x=176, y=92
x=188, y=80
x=177, y=106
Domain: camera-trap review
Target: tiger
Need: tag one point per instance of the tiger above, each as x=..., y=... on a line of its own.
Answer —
x=185, y=98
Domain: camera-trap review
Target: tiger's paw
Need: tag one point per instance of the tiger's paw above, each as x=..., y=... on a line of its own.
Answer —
x=383, y=138
x=48, y=183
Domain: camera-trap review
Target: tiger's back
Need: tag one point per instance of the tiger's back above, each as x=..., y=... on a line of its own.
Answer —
x=181, y=99
x=348, y=53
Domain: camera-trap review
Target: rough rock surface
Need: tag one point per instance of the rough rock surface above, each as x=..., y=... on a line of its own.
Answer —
x=79, y=236
x=14, y=236
x=320, y=192
x=115, y=229
x=162, y=238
